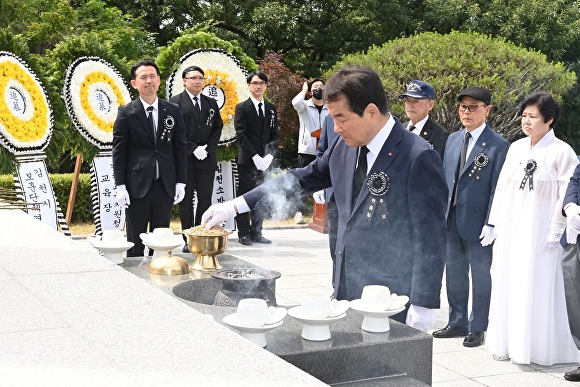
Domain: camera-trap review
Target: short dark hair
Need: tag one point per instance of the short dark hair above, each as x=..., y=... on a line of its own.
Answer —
x=360, y=85
x=144, y=62
x=259, y=74
x=311, y=82
x=547, y=105
x=190, y=69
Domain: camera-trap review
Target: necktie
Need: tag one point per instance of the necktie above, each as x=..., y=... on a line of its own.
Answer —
x=462, y=157
x=196, y=104
x=151, y=121
x=360, y=173
x=411, y=128
x=260, y=112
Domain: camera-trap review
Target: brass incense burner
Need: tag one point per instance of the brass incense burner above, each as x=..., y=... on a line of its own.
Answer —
x=206, y=247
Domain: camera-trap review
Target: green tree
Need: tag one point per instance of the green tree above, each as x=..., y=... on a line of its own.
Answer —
x=457, y=60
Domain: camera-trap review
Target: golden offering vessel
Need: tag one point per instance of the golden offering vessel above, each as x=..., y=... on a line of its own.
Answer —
x=206, y=244
x=169, y=265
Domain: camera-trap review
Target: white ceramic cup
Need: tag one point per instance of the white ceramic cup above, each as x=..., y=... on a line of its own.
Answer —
x=252, y=312
x=316, y=305
x=376, y=297
x=113, y=236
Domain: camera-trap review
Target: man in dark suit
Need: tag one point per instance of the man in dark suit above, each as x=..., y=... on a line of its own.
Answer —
x=473, y=159
x=418, y=103
x=203, y=124
x=149, y=156
x=256, y=122
x=390, y=194
x=571, y=262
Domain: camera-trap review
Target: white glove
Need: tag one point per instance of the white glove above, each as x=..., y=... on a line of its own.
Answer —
x=122, y=196
x=218, y=213
x=487, y=236
x=319, y=197
x=200, y=153
x=420, y=318
x=268, y=160
x=572, y=219
x=179, y=193
x=572, y=234
x=554, y=239
x=259, y=162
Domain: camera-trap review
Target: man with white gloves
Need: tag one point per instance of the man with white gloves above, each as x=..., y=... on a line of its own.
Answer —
x=400, y=243
x=256, y=122
x=203, y=125
x=149, y=156
x=473, y=160
x=571, y=262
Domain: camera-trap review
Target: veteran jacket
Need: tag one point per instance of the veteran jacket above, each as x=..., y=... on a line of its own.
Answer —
x=477, y=180
x=434, y=134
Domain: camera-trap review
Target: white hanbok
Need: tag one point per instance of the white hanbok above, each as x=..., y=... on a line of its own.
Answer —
x=527, y=319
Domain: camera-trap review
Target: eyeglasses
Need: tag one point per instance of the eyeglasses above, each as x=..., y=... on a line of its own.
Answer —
x=256, y=83
x=471, y=108
x=195, y=78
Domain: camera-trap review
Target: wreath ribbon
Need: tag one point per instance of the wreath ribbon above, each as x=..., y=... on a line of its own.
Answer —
x=529, y=170
x=378, y=184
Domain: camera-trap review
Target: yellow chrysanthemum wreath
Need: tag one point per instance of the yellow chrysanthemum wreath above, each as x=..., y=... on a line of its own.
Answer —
x=223, y=81
x=22, y=127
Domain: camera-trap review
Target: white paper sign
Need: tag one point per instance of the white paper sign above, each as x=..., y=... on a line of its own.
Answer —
x=223, y=188
x=106, y=209
x=36, y=186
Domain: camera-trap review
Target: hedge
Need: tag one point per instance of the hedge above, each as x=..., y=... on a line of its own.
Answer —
x=61, y=183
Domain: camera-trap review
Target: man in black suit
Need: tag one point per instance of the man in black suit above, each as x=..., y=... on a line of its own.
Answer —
x=400, y=242
x=149, y=156
x=203, y=124
x=256, y=122
x=418, y=103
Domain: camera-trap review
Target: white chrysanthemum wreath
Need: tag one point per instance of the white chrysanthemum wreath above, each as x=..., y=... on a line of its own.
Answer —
x=93, y=92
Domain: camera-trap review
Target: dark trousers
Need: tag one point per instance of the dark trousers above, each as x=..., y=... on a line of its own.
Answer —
x=153, y=209
x=201, y=182
x=249, y=223
x=571, y=274
x=461, y=256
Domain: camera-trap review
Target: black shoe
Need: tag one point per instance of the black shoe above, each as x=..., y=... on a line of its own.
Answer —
x=245, y=240
x=473, y=339
x=261, y=239
x=185, y=249
x=450, y=331
x=573, y=376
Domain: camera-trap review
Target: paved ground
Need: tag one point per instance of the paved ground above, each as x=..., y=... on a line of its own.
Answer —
x=302, y=256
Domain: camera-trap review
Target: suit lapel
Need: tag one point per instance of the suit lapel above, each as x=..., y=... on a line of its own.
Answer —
x=142, y=116
x=388, y=153
x=162, y=105
x=479, y=146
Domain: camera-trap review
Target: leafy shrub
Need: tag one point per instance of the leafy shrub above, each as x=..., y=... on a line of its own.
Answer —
x=457, y=60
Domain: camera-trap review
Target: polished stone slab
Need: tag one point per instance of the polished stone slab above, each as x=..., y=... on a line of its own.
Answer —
x=404, y=354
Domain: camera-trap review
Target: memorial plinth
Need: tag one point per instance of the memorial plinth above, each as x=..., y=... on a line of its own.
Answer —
x=400, y=357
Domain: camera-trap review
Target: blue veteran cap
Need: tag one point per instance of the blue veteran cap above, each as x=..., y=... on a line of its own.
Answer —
x=419, y=89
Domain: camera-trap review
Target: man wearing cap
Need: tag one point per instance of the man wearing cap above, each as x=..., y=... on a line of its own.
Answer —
x=418, y=102
x=472, y=162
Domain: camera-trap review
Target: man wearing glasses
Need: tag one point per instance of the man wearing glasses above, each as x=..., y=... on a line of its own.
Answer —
x=472, y=162
x=256, y=122
x=418, y=102
x=203, y=125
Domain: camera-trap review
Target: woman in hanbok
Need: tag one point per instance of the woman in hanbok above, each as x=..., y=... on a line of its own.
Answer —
x=527, y=319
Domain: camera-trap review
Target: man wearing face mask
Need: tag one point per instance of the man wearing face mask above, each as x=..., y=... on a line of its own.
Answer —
x=311, y=113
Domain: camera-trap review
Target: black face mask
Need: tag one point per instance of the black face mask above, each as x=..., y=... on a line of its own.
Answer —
x=317, y=93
